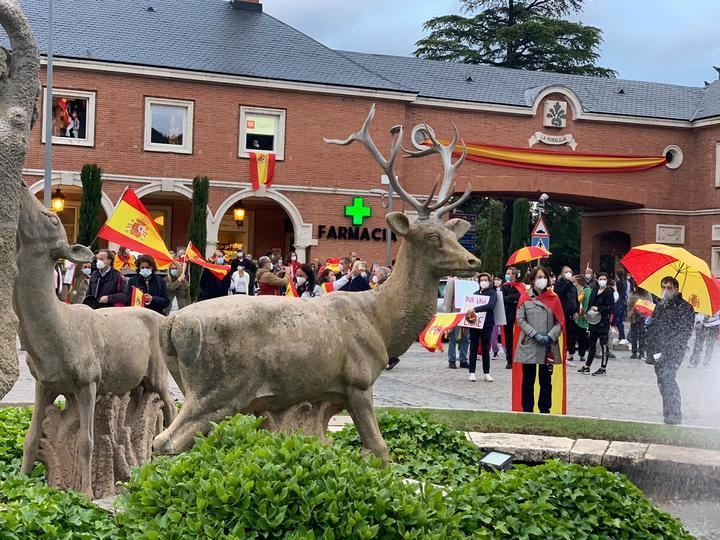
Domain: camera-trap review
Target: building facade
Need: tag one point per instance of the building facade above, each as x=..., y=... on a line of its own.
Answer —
x=155, y=104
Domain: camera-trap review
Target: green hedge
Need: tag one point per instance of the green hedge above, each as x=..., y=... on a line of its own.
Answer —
x=240, y=482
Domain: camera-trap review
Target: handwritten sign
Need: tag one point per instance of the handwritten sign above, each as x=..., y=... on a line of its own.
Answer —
x=474, y=300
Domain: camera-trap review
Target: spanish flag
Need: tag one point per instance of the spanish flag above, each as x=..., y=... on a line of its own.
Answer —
x=440, y=323
x=328, y=287
x=644, y=307
x=559, y=374
x=333, y=264
x=136, y=298
x=193, y=255
x=291, y=290
x=262, y=169
x=130, y=225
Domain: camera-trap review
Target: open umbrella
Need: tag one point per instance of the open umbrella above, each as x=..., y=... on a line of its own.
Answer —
x=527, y=254
x=650, y=263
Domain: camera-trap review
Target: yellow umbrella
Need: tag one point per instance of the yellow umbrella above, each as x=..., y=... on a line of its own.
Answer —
x=650, y=263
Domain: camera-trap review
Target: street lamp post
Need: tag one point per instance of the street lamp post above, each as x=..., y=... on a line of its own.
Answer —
x=48, y=111
x=387, y=202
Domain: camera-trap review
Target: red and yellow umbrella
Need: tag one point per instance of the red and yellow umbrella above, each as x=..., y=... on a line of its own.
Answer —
x=650, y=263
x=527, y=254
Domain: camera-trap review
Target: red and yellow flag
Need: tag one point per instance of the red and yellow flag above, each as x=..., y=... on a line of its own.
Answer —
x=644, y=307
x=193, y=255
x=328, y=287
x=291, y=290
x=130, y=225
x=262, y=169
x=136, y=298
x=440, y=323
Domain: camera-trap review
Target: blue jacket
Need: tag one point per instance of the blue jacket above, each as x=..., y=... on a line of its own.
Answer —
x=489, y=307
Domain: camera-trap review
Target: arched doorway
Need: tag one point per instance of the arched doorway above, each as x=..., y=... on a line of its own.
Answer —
x=611, y=246
x=70, y=215
x=171, y=213
x=267, y=228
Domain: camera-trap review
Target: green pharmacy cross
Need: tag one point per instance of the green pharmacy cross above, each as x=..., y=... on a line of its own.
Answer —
x=358, y=211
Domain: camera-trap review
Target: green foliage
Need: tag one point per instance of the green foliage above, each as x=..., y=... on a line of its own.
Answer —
x=421, y=448
x=564, y=226
x=89, y=214
x=198, y=227
x=243, y=483
x=520, y=231
x=491, y=254
x=15, y=422
x=30, y=510
x=516, y=34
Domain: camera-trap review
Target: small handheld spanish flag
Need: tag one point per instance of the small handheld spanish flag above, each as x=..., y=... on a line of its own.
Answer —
x=333, y=264
x=328, y=287
x=192, y=255
x=644, y=307
x=440, y=323
x=291, y=290
x=136, y=298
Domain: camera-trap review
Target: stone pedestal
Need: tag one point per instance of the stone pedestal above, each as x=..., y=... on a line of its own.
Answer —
x=124, y=430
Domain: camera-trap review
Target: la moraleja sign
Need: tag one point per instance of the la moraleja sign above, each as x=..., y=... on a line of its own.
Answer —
x=331, y=232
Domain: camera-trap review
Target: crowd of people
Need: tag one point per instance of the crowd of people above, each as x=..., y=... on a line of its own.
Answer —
x=583, y=307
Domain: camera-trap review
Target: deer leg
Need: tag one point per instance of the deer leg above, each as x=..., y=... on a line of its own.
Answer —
x=86, y=411
x=360, y=404
x=43, y=399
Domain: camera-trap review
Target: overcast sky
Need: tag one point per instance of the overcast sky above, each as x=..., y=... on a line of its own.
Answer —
x=671, y=41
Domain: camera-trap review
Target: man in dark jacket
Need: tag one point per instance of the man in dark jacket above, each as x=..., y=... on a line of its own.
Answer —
x=669, y=330
x=511, y=290
x=566, y=290
x=107, y=285
x=212, y=287
x=357, y=282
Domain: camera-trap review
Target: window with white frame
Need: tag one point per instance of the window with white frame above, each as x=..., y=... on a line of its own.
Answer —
x=262, y=130
x=73, y=117
x=715, y=262
x=168, y=125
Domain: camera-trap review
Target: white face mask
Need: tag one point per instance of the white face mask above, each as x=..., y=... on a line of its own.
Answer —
x=87, y=271
x=375, y=279
x=145, y=272
x=240, y=255
x=602, y=282
x=293, y=258
x=301, y=280
x=541, y=283
x=484, y=284
x=568, y=275
x=100, y=265
x=588, y=276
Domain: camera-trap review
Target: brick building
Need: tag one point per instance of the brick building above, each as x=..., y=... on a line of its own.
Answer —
x=158, y=94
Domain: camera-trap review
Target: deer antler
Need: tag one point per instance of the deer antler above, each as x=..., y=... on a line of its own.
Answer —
x=447, y=187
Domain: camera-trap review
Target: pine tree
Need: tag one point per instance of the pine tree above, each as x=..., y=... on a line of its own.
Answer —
x=198, y=227
x=492, y=246
x=89, y=216
x=520, y=232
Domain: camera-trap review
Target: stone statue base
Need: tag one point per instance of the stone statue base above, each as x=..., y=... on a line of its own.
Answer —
x=309, y=418
x=124, y=430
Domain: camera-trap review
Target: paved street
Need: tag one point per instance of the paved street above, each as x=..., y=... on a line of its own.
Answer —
x=422, y=379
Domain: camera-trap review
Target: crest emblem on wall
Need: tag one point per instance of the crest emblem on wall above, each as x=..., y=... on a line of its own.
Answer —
x=555, y=115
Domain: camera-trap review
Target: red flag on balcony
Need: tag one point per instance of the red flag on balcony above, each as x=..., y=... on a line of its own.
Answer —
x=262, y=169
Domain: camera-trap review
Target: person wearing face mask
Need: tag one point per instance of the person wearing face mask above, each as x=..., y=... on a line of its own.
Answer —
x=566, y=291
x=590, y=279
x=239, y=282
x=210, y=285
x=80, y=283
x=306, y=284
x=540, y=323
x=356, y=282
x=294, y=264
x=621, y=305
x=178, y=288
x=497, y=329
x=328, y=282
x=155, y=295
x=482, y=336
x=602, y=301
x=380, y=274
x=512, y=289
x=669, y=330
x=578, y=334
x=245, y=261
x=269, y=283
x=107, y=285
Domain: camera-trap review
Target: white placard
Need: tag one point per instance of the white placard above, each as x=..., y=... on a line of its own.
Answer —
x=463, y=288
x=474, y=300
x=499, y=311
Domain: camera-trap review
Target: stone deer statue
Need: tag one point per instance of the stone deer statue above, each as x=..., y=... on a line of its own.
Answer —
x=267, y=354
x=19, y=88
x=73, y=350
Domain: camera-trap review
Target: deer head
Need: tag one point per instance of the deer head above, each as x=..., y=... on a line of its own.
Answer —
x=41, y=233
x=428, y=238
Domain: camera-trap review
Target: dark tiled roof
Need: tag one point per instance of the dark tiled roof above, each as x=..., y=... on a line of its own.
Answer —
x=198, y=35
x=710, y=103
x=490, y=84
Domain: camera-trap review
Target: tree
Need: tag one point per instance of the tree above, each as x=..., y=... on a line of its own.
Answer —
x=477, y=207
x=198, y=227
x=492, y=243
x=519, y=234
x=529, y=34
x=89, y=218
x=18, y=94
x=563, y=223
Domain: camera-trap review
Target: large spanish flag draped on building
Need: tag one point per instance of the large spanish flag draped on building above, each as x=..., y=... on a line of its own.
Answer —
x=130, y=225
x=551, y=160
x=192, y=255
x=262, y=169
x=559, y=375
x=430, y=338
